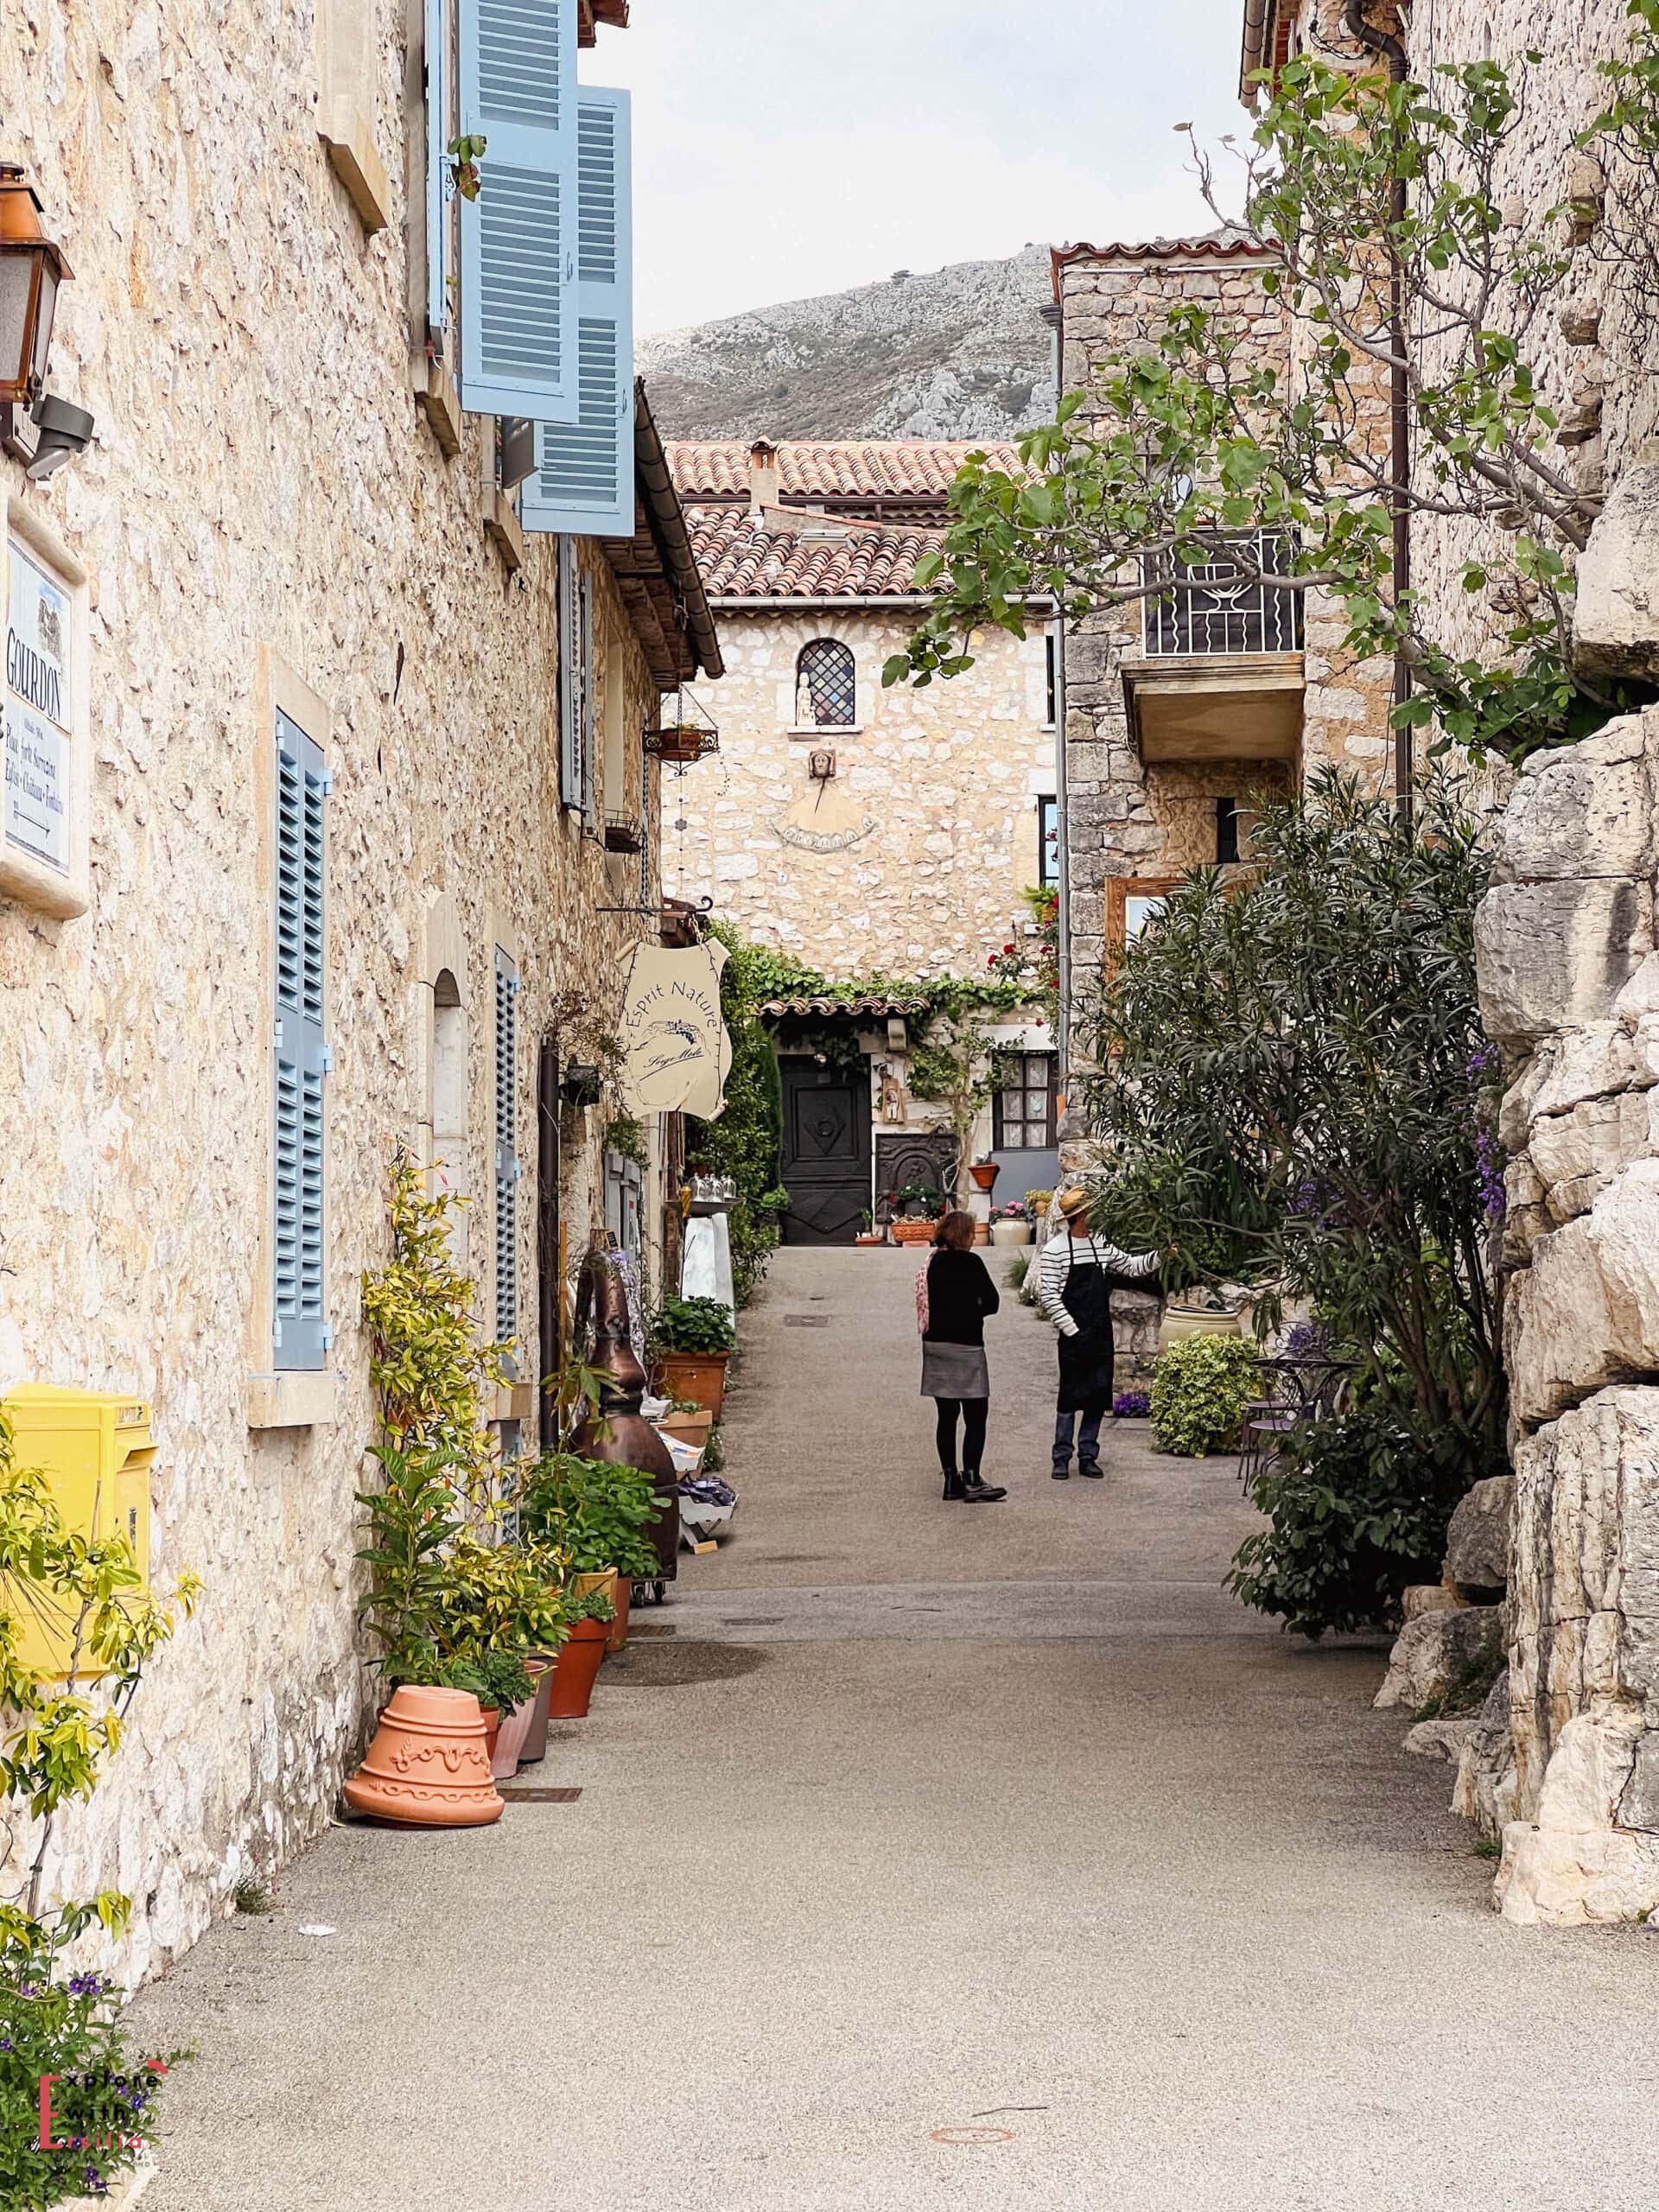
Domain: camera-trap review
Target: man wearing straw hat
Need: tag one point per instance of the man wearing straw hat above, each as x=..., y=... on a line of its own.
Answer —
x=1076, y=1277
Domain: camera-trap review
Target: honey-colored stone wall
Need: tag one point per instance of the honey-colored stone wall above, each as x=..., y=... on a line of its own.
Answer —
x=912, y=860
x=259, y=477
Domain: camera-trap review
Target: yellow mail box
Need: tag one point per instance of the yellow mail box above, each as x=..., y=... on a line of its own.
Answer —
x=94, y=1448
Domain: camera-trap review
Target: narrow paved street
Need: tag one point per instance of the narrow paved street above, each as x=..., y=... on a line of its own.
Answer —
x=904, y=1821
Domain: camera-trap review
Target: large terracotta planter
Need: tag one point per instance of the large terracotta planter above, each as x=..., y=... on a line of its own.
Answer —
x=428, y=1766
x=576, y=1669
x=1010, y=1232
x=699, y=1376
x=619, y=1635
x=913, y=1232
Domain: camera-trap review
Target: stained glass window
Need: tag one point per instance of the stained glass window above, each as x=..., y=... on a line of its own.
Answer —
x=825, y=686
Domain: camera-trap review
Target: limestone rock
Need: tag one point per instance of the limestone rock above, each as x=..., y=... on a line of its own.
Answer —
x=1443, y=1738
x=1555, y=955
x=1428, y=1597
x=1638, y=1803
x=1430, y=1652
x=1586, y=1313
x=1616, y=622
x=1553, y=1879
x=1586, y=809
x=1477, y=1541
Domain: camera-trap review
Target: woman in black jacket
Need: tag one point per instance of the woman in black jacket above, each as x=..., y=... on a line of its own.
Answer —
x=960, y=1294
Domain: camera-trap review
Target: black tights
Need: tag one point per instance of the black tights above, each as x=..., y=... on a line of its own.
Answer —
x=973, y=1412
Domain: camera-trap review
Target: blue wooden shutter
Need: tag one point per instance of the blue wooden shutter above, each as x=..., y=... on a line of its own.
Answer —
x=301, y=1334
x=518, y=238
x=506, y=1147
x=437, y=167
x=569, y=678
x=583, y=479
x=586, y=689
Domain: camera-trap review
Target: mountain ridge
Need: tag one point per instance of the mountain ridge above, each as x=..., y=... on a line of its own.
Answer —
x=955, y=352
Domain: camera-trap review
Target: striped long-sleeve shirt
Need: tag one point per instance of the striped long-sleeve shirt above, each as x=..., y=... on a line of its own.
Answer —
x=1064, y=1252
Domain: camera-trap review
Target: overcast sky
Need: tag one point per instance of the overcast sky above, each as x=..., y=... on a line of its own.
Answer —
x=788, y=146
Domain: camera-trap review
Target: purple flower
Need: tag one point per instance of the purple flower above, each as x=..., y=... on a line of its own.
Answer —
x=94, y=2181
x=1132, y=1405
x=5, y=2043
x=1489, y=1173
x=1308, y=1340
x=84, y=1985
x=1482, y=1061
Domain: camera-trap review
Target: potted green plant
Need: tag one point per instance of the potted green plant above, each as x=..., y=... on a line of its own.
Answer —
x=596, y=1515
x=692, y=1339
x=590, y=1616
x=917, y=1210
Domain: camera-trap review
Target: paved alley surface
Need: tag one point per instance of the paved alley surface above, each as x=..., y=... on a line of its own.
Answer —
x=972, y=1857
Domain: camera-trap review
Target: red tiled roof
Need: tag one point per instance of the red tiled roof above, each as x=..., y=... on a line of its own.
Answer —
x=1214, y=245
x=866, y=469
x=591, y=13
x=739, y=559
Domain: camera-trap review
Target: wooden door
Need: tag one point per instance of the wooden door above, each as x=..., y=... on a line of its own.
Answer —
x=826, y=1153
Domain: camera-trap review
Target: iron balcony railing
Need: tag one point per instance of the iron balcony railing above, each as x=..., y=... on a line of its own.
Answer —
x=1216, y=606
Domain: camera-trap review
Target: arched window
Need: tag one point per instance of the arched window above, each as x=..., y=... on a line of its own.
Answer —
x=825, y=687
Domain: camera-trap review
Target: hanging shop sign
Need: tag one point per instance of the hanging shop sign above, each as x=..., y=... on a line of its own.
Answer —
x=676, y=1050
x=37, y=712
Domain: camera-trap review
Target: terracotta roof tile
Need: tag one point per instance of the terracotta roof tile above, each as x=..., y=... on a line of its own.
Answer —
x=865, y=468
x=1214, y=245
x=741, y=558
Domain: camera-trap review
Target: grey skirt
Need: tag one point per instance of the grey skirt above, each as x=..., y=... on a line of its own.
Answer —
x=955, y=1370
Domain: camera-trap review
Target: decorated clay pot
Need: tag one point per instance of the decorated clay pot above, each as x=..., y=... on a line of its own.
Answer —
x=429, y=1765
x=577, y=1670
x=619, y=1635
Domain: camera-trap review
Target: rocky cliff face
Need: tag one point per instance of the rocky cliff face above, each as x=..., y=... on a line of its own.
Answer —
x=961, y=353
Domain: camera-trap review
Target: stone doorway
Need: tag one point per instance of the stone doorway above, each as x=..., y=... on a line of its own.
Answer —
x=826, y=1152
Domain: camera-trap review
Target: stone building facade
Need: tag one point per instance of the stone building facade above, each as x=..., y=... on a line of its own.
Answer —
x=909, y=857
x=1183, y=713
x=287, y=552
x=866, y=831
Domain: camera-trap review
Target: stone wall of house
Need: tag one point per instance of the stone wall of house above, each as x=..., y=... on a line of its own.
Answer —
x=912, y=859
x=1128, y=817
x=260, y=478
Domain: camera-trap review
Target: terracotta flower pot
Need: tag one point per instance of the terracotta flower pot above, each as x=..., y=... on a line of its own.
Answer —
x=576, y=1669
x=509, y=1746
x=699, y=1376
x=913, y=1232
x=985, y=1172
x=428, y=1766
x=619, y=1635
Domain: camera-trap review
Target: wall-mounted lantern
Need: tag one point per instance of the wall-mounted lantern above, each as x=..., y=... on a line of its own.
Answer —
x=31, y=269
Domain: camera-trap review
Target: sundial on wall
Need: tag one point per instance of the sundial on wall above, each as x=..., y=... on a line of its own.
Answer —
x=824, y=820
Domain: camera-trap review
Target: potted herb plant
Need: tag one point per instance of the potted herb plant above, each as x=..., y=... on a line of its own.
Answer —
x=692, y=1339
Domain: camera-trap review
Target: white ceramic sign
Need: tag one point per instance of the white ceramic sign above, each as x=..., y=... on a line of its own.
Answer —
x=37, y=711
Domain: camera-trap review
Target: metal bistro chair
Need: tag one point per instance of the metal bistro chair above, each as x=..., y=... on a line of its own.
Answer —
x=1303, y=1389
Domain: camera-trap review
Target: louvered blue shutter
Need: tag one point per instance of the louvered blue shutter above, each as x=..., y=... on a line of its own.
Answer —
x=583, y=479
x=518, y=238
x=569, y=678
x=506, y=1147
x=300, y=1335
x=437, y=165
x=586, y=695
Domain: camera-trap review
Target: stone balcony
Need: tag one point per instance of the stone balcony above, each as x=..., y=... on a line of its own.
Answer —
x=1207, y=706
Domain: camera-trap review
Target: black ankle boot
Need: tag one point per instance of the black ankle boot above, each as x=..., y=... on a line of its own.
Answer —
x=953, y=1490
x=974, y=1492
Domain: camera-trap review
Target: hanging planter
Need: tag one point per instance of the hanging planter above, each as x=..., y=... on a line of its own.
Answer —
x=684, y=731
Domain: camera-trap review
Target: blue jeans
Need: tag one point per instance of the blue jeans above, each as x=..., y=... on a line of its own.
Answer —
x=1088, y=1439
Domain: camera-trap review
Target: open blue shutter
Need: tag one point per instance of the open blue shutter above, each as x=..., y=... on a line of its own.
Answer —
x=301, y=1333
x=583, y=479
x=569, y=678
x=518, y=238
x=506, y=1147
x=437, y=165
x=587, y=694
